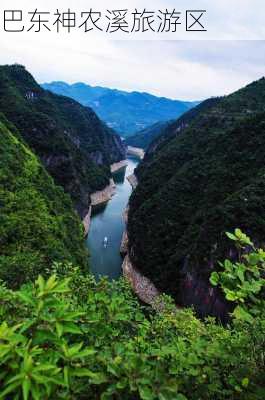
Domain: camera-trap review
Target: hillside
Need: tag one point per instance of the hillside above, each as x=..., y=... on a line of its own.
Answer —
x=38, y=225
x=125, y=112
x=73, y=144
x=64, y=335
x=195, y=186
x=144, y=138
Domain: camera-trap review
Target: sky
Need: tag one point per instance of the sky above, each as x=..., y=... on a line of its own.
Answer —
x=180, y=69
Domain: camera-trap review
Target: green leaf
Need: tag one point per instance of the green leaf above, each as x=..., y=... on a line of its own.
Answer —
x=231, y=236
x=26, y=388
x=70, y=327
x=146, y=393
x=245, y=382
x=241, y=314
x=214, y=279
x=59, y=329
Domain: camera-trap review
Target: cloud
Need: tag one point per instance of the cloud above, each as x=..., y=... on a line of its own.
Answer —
x=176, y=69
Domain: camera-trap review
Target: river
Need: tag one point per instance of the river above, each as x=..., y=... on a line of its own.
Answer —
x=107, y=221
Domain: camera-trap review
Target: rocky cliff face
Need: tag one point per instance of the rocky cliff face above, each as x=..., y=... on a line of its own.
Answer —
x=75, y=146
x=195, y=186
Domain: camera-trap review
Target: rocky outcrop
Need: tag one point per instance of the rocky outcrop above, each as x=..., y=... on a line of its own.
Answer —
x=135, y=151
x=133, y=181
x=86, y=221
x=124, y=244
x=97, y=198
x=117, y=166
x=142, y=286
x=102, y=196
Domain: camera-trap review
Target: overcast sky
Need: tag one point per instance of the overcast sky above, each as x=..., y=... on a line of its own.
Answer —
x=188, y=70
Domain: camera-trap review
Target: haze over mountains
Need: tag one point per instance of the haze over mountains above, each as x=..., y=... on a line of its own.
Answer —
x=126, y=112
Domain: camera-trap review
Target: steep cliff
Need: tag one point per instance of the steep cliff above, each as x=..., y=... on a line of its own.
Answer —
x=73, y=144
x=205, y=180
x=38, y=225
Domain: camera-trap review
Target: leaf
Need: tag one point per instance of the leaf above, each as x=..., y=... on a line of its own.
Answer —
x=59, y=329
x=181, y=397
x=26, y=388
x=9, y=389
x=245, y=382
x=95, y=378
x=26, y=298
x=240, y=272
x=41, y=283
x=241, y=314
x=231, y=236
x=146, y=393
x=231, y=296
x=214, y=279
x=70, y=327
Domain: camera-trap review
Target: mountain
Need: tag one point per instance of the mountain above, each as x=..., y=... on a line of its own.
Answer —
x=201, y=182
x=38, y=225
x=173, y=128
x=75, y=146
x=125, y=112
x=144, y=138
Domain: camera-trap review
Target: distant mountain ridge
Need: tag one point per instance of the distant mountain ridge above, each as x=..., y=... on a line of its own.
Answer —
x=126, y=112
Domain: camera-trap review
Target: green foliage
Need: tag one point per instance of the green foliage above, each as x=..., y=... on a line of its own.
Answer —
x=243, y=281
x=144, y=137
x=65, y=135
x=73, y=338
x=196, y=186
x=37, y=223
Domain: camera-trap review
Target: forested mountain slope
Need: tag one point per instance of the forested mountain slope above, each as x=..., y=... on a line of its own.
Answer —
x=38, y=225
x=144, y=138
x=195, y=186
x=73, y=144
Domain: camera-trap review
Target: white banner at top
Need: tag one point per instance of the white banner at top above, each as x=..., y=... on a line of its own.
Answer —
x=133, y=19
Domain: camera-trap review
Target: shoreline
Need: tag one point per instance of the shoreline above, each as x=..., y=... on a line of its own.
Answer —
x=104, y=195
x=135, y=151
x=142, y=286
x=97, y=198
x=132, y=179
x=118, y=165
x=87, y=220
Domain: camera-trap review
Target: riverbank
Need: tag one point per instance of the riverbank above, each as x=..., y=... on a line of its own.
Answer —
x=87, y=220
x=117, y=166
x=142, y=286
x=136, y=152
x=133, y=181
x=102, y=196
x=98, y=198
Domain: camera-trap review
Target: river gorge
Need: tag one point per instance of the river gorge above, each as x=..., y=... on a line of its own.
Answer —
x=107, y=222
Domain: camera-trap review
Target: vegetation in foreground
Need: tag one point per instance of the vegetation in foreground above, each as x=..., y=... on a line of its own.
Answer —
x=69, y=337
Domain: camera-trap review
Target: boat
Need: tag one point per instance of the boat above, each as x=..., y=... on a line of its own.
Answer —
x=105, y=241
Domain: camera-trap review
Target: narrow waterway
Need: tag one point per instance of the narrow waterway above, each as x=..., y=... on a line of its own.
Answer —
x=107, y=221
